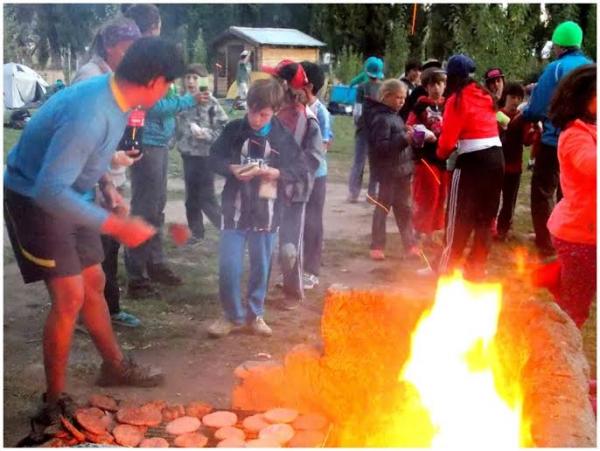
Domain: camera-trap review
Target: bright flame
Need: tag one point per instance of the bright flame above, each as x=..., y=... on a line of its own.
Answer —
x=520, y=258
x=452, y=364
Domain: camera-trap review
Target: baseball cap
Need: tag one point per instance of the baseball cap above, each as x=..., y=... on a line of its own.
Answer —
x=492, y=73
x=374, y=67
x=460, y=65
x=289, y=71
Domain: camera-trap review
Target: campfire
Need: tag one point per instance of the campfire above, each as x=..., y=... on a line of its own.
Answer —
x=467, y=369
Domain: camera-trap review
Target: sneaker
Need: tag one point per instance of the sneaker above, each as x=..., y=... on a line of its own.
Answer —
x=164, y=275
x=377, y=254
x=125, y=319
x=309, y=281
x=261, y=328
x=129, y=373
x=352, y=199
x=141, y=289
x=222, y=327
x=289, y=303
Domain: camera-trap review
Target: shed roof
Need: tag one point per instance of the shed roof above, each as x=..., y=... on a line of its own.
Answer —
x=271, y=36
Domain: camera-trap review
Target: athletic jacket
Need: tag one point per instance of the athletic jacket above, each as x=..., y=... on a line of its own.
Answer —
x=429, y=113
x=469, y=122
x=574, y=217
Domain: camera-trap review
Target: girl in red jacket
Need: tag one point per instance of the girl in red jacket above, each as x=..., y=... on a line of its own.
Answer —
x=572, y=224
x=470, y=126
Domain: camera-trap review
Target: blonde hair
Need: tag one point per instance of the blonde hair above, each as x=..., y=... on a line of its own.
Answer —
x=391, y=86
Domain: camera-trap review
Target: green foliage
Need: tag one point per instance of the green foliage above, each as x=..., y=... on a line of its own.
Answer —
x=349, y=64
x=396, y=50
x=199, y=49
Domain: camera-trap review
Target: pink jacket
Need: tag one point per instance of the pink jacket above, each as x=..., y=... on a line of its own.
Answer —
x=574, y=217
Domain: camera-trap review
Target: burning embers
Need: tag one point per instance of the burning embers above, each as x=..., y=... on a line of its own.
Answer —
x=456, y=369
x=470, y=370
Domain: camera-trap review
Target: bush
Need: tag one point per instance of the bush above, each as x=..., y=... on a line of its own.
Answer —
x=348, y=64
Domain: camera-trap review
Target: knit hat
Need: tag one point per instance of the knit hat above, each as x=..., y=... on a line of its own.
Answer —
x=494, y=72
x=290, y=71
x=460, y=65
x=119, y=30
x=374, y=67
x=567, y=34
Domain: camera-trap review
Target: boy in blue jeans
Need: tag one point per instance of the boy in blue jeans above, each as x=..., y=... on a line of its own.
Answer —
x=263, y=167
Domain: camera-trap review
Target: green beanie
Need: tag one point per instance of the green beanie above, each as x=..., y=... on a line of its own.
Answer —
x=567, y=34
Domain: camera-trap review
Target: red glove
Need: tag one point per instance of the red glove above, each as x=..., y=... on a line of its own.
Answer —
x=131, y=231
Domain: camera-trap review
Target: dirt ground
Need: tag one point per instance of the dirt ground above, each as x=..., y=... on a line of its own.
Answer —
x=173, y=335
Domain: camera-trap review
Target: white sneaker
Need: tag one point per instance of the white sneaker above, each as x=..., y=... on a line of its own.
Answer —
x=309, y=281
x=261, y=328
x=222, y=327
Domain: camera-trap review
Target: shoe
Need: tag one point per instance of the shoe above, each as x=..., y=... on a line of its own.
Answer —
x=260, y=327
x=279, y=283
x=413, y=252
x=352, y=199
x=309, y=281
x=377, y=254
x=125, y=319
x=222, y=327
x=48, y=418
x=129, y=373
x=141, y=289
x=164, y=275
x=290, y=304
x=194, y=240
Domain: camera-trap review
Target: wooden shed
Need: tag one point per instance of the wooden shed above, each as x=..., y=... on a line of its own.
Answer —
x=268, y=47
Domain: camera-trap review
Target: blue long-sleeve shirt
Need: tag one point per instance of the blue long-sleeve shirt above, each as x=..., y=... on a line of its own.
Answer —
x=537, y=108
x=66, y=147
x=160, y=122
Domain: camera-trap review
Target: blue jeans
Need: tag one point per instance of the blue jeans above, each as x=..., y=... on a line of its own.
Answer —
x=231, y=267
x=361, y=151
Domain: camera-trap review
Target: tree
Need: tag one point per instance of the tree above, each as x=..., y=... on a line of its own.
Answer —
x=199, y=55
x=396, y=50
x=348, y=64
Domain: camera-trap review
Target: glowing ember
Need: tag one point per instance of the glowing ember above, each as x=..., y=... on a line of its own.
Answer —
x=452, y=365
x=520, y=258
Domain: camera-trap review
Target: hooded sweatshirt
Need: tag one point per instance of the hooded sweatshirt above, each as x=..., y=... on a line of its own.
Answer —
x=469, y=122
x=574, y=217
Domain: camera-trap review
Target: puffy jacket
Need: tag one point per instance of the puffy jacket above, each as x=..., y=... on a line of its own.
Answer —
x=537, y=109
x=159, y=127
x=574, y=217
x=389, y=153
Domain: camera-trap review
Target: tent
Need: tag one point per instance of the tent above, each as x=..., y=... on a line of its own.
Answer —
x=22, y=85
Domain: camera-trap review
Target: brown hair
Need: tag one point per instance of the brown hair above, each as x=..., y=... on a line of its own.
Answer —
x=432, y=75
x=265, y=93
x=389, y=86
x=572, y=97
x=197, y=69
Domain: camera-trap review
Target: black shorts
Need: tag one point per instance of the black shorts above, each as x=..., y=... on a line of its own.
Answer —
x=46, y=246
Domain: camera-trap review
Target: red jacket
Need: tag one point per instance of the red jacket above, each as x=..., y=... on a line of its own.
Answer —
x=574, y=217
x=473, y=117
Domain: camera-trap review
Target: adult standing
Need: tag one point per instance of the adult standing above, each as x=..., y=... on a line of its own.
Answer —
x=54, y=226
x=242, y=76
x=147, y=263
x=566, y=39
x=418, y=91
x=412, y=75
x=108, y=48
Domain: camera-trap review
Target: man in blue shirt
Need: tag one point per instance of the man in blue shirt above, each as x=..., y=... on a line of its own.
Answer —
x=54, y=225
x=566, y=39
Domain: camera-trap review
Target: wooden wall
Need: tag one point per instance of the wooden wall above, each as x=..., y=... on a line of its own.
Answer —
x=270, y=56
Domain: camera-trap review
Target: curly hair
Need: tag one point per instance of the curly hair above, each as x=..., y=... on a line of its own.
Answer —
x=572, y=97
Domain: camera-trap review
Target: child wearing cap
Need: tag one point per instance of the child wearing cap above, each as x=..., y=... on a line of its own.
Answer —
x=313, y=226
x=300, y=121
x=470, y=124
x=430, y=181
x=197, y=128
x=263, y=169
x=366, y=90
x=391, y=162
x=517, y=134
x=494, y=82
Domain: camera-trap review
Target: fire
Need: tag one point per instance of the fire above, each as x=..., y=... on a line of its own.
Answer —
x=520, y=258
x=454, y=367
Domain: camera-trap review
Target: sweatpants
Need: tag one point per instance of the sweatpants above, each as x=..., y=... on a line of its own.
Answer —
x=510, y=191
x=472, y=207
x=148, y=200
x=313, y=227
x=430, y=187
x=232, y=246
x=200, y=194
x=545, y=183
x=291, y=244
x=577, y=286
x=394, y=194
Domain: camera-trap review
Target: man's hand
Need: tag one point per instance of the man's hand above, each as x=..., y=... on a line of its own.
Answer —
x=125, y=158
x=131, y=231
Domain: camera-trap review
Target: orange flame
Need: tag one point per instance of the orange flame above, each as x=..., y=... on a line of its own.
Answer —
x=520, y=259
x=452, y=367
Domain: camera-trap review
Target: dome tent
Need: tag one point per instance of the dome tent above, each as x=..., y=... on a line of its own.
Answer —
x=22, y=85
